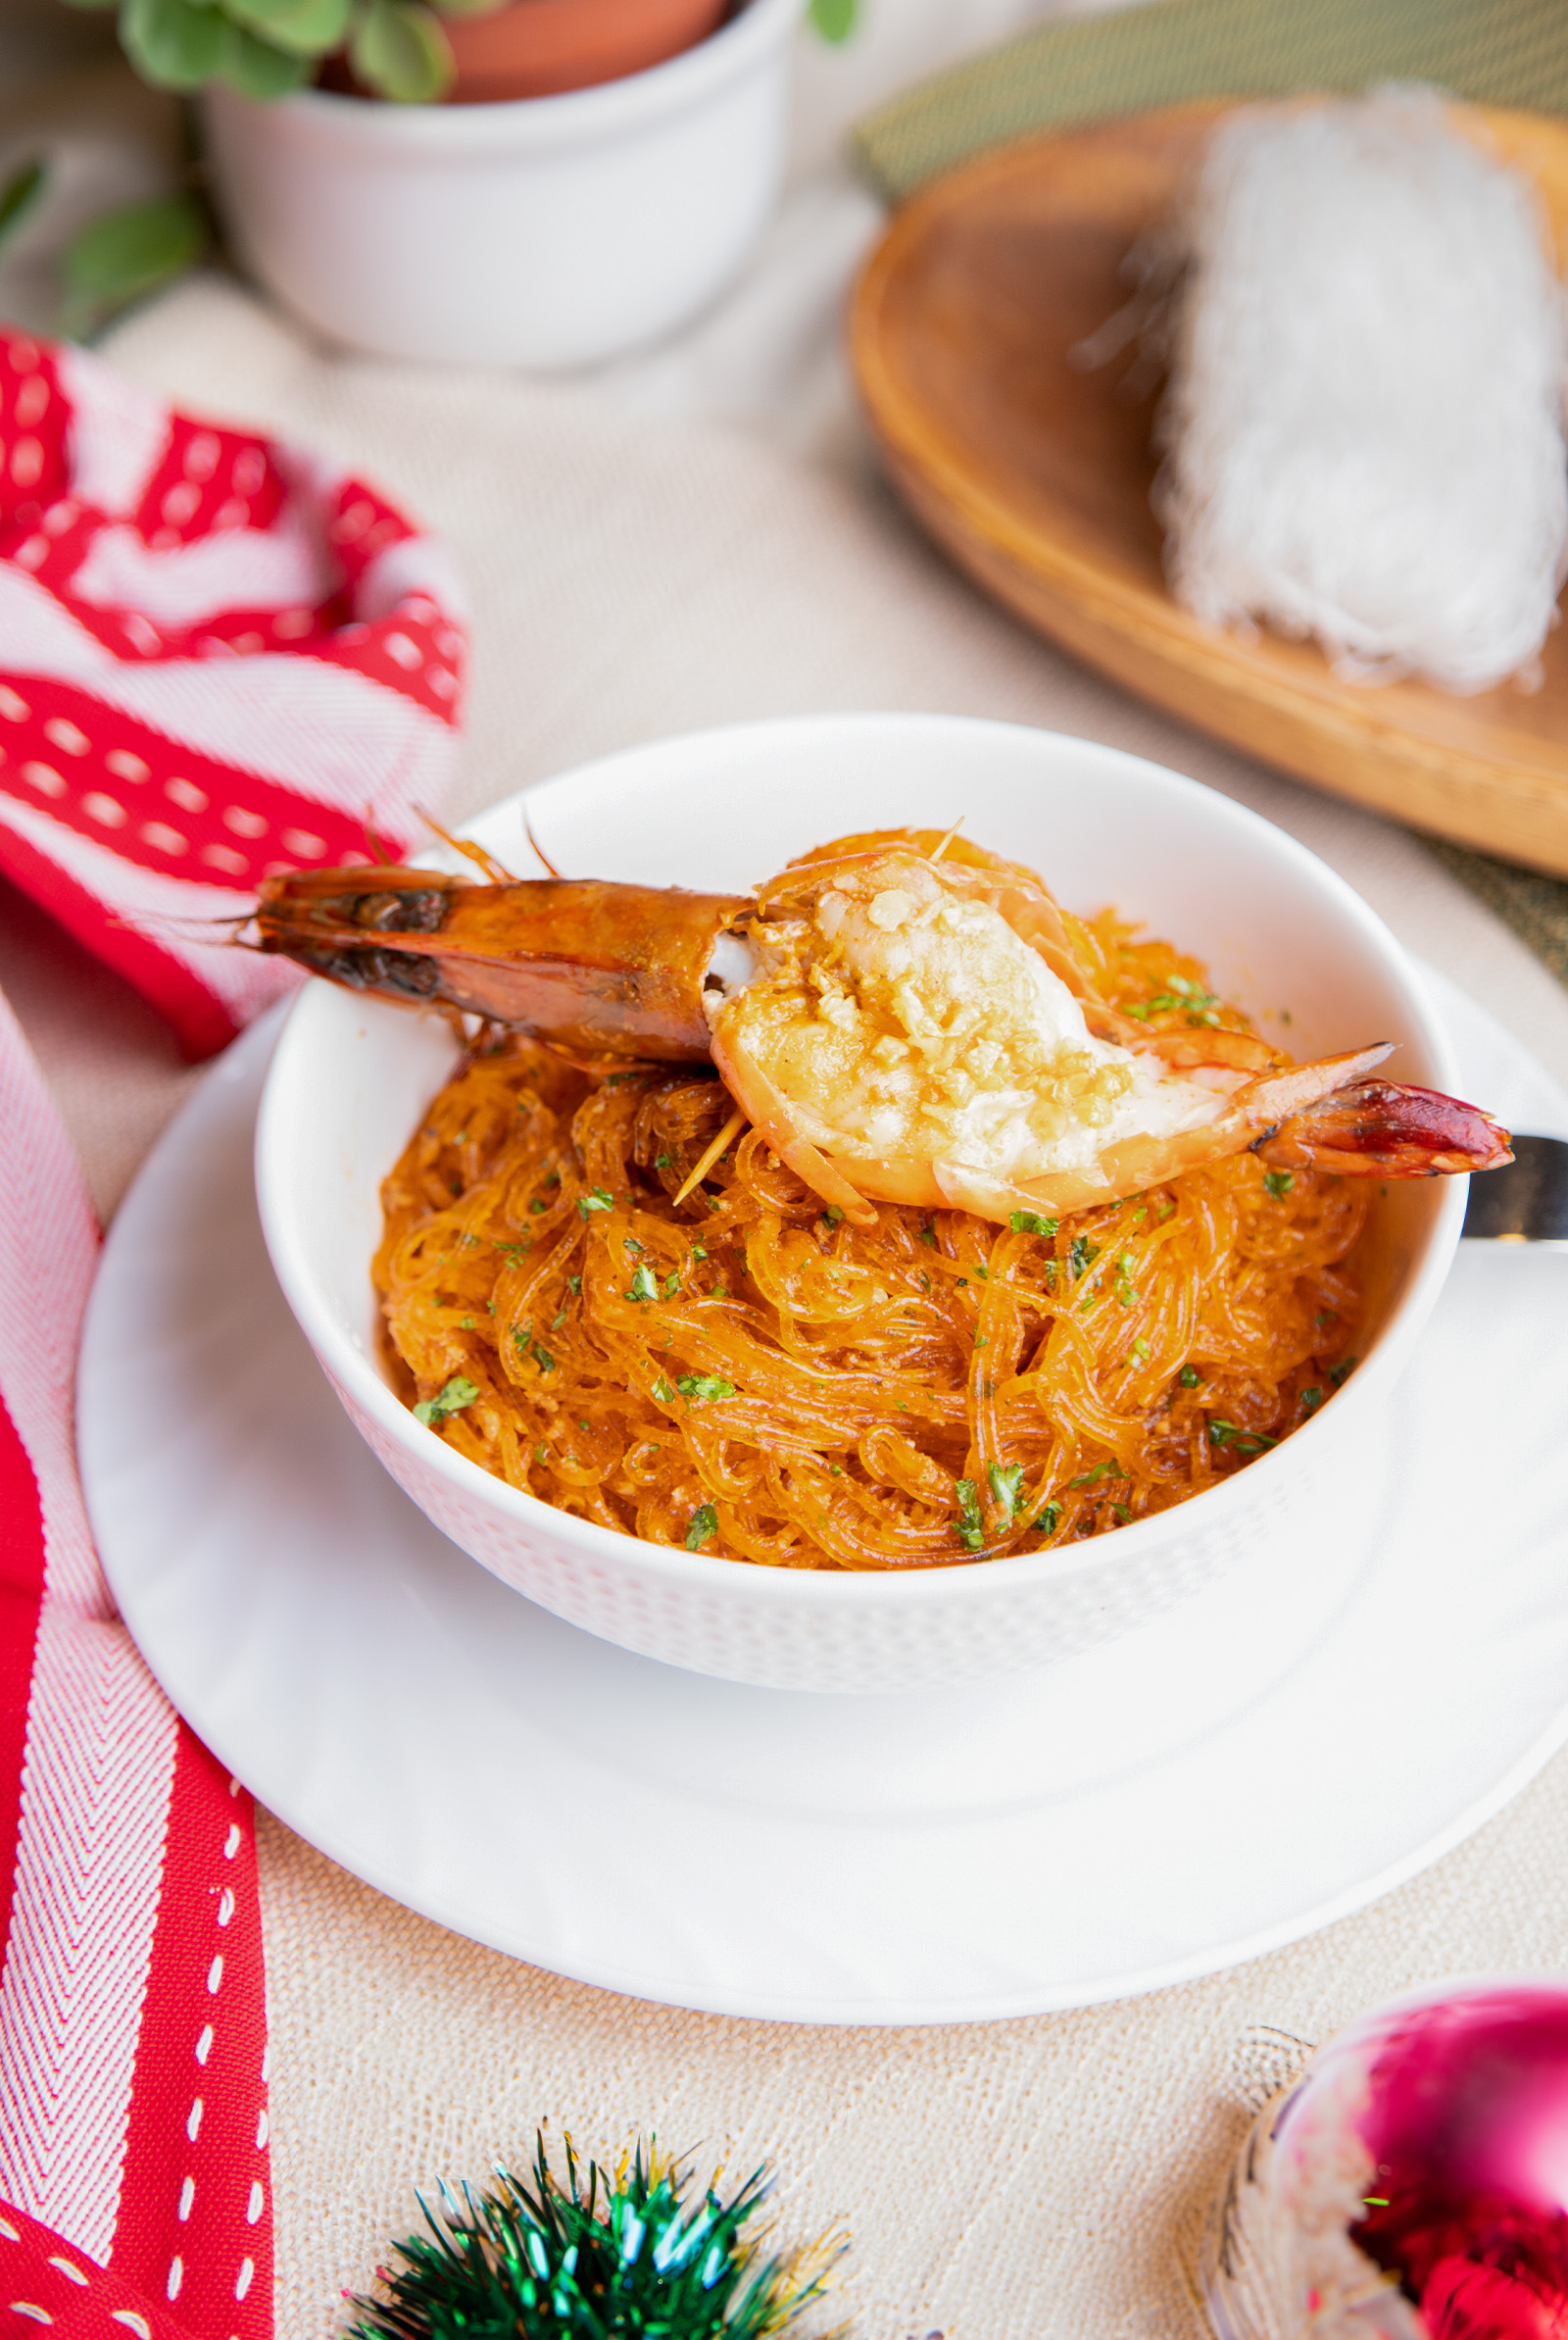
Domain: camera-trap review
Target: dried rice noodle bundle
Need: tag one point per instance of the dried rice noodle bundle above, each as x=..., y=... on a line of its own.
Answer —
x=1364, y=421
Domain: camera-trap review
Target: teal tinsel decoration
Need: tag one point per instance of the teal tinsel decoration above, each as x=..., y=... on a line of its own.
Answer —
x=641, y=2255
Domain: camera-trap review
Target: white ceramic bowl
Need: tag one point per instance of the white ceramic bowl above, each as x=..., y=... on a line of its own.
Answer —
x=723, y=810
x=551, y=231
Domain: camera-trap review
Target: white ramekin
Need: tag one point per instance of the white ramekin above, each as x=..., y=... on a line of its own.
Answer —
x=1281, y=934
x=547, y=232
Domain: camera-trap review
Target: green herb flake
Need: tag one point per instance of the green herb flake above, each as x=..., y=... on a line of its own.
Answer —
x=1188, y=1376
x=664, y=1161
x=574, y=1283
x=703, y=1527
x=1108, y=1468
x=928, y=1235
x=1084, y=1255
x=1311, y=1399
x=971, y=1529
x=1231, y=1434
x=663, y=1392
x=673, y=1283
x=698, y=1252
x=558, y=1319
x=1279, y=1182
x=1030, y=1223
x=1139, y=1348
x=537, y=1206
x=543, y=1358
x=1006, y=1486
x=541, y=1454
x=1049, y=1521
x=465, y=1324
x=833, y=1216
x=644, y=1285
x=595, y=1199
x=1341, y=1372
x=451, y=1398
x=703, y=1388
x=1120, y=1513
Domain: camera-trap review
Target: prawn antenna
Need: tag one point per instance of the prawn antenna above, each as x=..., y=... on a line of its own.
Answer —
x=948, y=839
x=710, y=1154
x=497, y=872
x=379, y=856
x=527, y=830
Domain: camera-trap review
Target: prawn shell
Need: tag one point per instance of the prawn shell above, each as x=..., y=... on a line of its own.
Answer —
x=592, y=968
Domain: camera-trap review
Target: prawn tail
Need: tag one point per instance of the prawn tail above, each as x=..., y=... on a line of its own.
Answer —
x=1379, y=1129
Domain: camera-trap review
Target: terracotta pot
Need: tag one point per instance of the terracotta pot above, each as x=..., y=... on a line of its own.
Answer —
x=538, y=48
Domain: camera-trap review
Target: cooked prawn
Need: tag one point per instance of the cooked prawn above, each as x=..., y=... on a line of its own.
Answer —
x=901, y=1016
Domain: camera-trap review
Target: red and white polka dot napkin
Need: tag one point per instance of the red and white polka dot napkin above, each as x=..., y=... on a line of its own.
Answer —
x=134, y=2183
x=218, y=657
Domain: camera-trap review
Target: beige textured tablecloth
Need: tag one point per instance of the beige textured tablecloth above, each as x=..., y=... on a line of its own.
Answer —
x=1026, y=2180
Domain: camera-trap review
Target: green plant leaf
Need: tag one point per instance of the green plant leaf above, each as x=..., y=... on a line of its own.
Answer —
x=19, y=193
x=400, y=51
x=467, y=8
x=175, y=44
x=306, y=28
x=130, y=253
x=258, y=68
x=834, y=19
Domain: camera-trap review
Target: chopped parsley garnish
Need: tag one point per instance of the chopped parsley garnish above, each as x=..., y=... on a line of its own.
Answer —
x=1108, y=1468
x=541, y=1454
x=595, y=1199
x=1030, y=1223
x=543, y=1358
x=1343, y=1371
x=1188, y=1376
x=833, y=1214
x=1311, y=1399
x=703, y=1527
x=574, y=1283
x=643, y=1285
x=1279, y=1182
x=632, y=1247
x=663, y=1392
x=558, y=1319
x=1084, y=1255
x=465, y=1324
x=698, y=1252
x=673, y=1283
x=662, y=1162
x=702, y=1388
x=1139, y=1348
x=537, y=1206
x=1120, y=1513
x=451, y=1398
x=928, y=1235
x=1231, y=1434
x=971, y=1527
x=1050, y=1519
x=1006, y=1487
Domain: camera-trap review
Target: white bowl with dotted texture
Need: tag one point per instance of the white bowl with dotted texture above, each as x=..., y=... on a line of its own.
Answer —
x=725, y=809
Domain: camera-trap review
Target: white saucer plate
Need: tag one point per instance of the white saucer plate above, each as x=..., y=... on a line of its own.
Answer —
x=1269, y=1757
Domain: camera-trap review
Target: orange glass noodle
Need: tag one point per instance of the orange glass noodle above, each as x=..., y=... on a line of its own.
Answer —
x=746, y=1374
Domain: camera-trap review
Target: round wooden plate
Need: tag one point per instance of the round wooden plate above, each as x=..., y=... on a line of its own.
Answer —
x=1035, y=477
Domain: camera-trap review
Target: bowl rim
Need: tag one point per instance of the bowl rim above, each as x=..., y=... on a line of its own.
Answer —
x=632, y=102
x=833, y=1590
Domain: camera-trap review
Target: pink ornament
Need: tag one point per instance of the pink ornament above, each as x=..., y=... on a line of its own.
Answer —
x=1413, y=2183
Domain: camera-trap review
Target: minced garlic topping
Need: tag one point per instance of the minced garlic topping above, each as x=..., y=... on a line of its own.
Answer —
x=903, y=1019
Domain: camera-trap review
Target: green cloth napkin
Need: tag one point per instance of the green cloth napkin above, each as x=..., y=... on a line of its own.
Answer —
x=1505, y=52
x=1501, y=52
